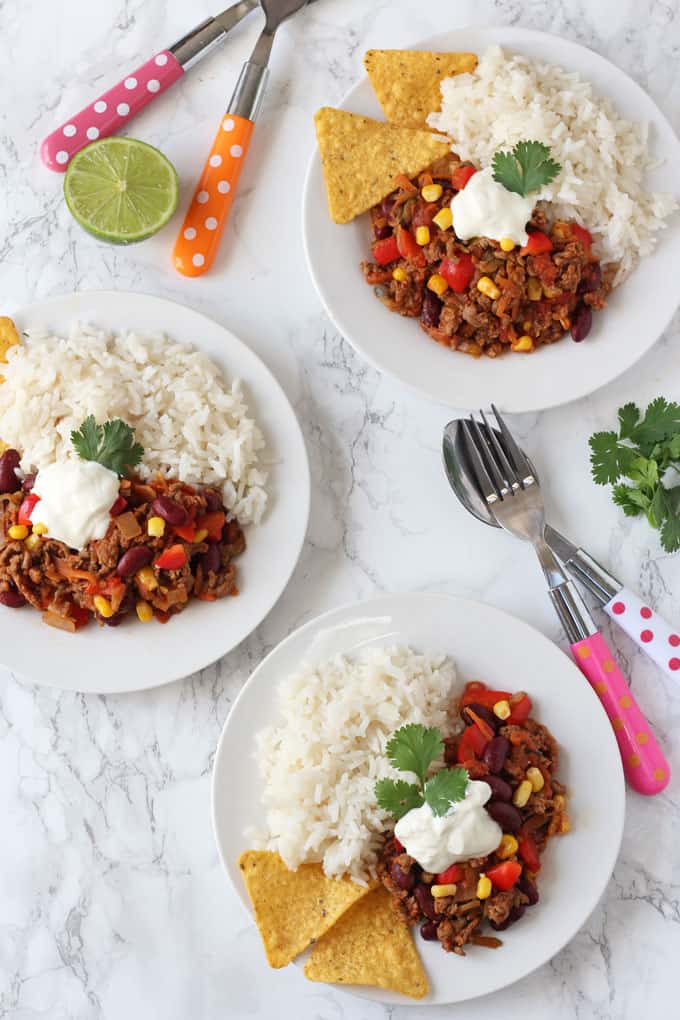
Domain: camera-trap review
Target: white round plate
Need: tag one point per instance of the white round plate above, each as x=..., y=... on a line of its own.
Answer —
x=135, y=657
x=576, y=867
x=637, y=312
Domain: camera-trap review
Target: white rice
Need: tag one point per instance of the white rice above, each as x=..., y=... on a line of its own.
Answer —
x=319, y=765
x=605, y=159
x=192, y=423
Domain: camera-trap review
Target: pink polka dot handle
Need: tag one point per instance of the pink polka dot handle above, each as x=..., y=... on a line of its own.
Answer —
x=649, y=631
x=644, y=765
x=111, y=111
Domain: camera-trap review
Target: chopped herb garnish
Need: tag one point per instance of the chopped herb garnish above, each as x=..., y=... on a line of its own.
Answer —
x=413, y=748
x=111, y=444
x=527, y=168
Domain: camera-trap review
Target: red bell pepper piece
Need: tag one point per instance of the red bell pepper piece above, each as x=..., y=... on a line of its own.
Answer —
x=461, y=175
x=186, y=531
x=537, y=244
x=118, y=507
x=582, y=235
x=528, y=851
x=471, y=745
x=409, y=247
x=457, y=272
x=481, y=725
x=172, y=558
x=27, y=507
x=212, y=523
x=79, y=615
x=386, y=251
x=399, y=847
x=503, y=876
x=520, y=709
x=452, y=874
x=483, y=696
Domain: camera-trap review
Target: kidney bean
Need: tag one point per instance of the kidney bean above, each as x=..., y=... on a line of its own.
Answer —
x=133, y=560
x=404, y=879
x=591, y=279
x=388, y=205
x=483, y=713
x=581, y=324
x=431, y=310
x=9, y=462
x=12, y=599
x=428, y=931
x=495, y=753
x=114, y=621
x=507, y=815
x=529, y=889
x=211, y=559
x=169, y=510
x=513, y=916
x=382, y=232
x=425, y=900
x=500, y=790
x=28, y=483
x=212, y=499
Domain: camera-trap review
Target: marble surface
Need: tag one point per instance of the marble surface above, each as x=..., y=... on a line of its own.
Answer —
x=112, y=900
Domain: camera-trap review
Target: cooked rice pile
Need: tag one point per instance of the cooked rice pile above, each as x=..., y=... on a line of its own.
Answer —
x=320, y=763
x=605, y=159
x=193, y=424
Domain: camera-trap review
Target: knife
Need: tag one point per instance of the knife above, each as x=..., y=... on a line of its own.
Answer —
x=648, y=630
x=121, y=103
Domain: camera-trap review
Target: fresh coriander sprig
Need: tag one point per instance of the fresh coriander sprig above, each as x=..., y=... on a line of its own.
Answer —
x=528, y=167
x=111, y=444
x=641, y=452
x=412, y=749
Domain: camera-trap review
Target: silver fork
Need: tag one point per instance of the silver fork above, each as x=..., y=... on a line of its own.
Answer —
x=506, y=481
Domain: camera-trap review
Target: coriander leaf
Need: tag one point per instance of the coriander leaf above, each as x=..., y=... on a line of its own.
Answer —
x=397, y=796
x=661, y=421
x=527, y=168
x=445, y=788
x=629, y=416
x=672, y=448
x=605, y=457
x=670, y=534
x=631, y=501
x=413, y=748
x=643, y=471
x=111, y=444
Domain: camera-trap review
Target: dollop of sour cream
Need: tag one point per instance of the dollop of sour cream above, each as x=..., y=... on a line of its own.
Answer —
x=484, y=208
x=75, y=499
x=465, y=831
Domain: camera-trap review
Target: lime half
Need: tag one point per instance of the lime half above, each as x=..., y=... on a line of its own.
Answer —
x=121, y=190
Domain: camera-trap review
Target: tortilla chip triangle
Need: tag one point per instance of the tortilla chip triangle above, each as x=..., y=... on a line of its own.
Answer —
x=361, y=157
x=293, y=908
x=370, y=945
x=407, y=82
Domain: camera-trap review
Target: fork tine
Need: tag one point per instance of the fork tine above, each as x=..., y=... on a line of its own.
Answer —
x=510, y=472
x=485, y=485
x=487, y=456
x=518, y=458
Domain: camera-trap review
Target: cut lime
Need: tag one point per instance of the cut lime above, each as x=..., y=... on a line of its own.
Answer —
x=121, y=190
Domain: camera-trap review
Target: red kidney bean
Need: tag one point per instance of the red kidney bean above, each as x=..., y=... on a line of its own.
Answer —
x=529, y=889
x=28, y=483
x=212, y=500
x=114, y=621
x=404, y=879
x=500, y=790
x=381, y=233
x=507, y=815
x=581, y=324
x=169, y=510
x=133, y=560
x=425, y=900
x=12, y=599
x=9, y=462
x=428, y=931
x=431, y=310
x=388, y=205
x=483, y=713
x=495, y=753
x=211, y=559
x=591, y=279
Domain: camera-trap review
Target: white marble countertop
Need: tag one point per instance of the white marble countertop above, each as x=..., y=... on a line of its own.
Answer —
x=112, y=900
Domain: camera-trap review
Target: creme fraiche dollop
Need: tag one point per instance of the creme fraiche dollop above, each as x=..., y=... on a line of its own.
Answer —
x=485, y=208
x=465, y=831
x=76, y=497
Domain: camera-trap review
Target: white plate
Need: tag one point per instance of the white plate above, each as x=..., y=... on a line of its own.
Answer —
x=576, y=867
x=135, y=656
x=637, y=313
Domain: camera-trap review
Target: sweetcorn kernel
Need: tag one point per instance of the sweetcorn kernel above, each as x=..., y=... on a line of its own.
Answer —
x=399, y=274
x=506, y=243
x=523, y=345
x=502, y=709
x=32, y=541
x=431, y=192
x=103, y=606
x=147, y=578
x=156, y=527
x=18, y=532
x=39, y=528
x=535, y=777
x=484, y=887
x=508, y=846
x=522, y=793
x=485, y=285
x=422, y=236
x=437, y=284
x=534, y=289
x=444, y=218
x=443, y=890
x=201, y=535
x=144, y=612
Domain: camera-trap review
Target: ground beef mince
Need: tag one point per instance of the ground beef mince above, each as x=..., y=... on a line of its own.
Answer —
x=123, y=572
x=520, y=750
x=530, y=299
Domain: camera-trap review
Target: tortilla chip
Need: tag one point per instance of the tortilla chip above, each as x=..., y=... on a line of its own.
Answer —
x=370, y=945
x=9, y=337
x=407, y=82
x=361, y=157
x=293, y=908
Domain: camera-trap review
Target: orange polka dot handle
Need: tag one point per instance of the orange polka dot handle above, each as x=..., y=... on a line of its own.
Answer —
x=644, y=764
x=199, y=237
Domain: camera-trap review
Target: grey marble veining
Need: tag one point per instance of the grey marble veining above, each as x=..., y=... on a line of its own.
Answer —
x=112, y=900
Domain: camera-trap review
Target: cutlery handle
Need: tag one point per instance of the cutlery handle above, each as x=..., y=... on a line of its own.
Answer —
x=645, y=767
x=649, y=631
x=199, y=236
x=111, y=111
